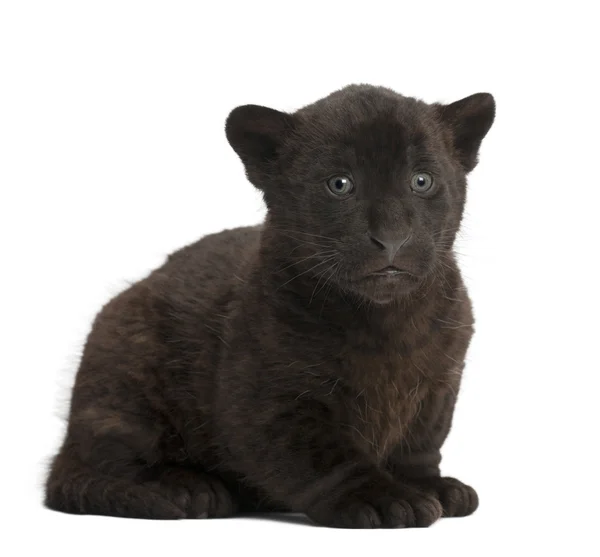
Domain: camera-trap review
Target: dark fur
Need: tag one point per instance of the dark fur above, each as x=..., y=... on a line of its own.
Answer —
x=261, y=368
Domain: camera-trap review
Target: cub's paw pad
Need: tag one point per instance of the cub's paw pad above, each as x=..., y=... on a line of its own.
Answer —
x=385, y=511
x=457, y=498
x=426, y=509
x=199, y=495
x=355, y=515
x=151, y=505
x=221, y=502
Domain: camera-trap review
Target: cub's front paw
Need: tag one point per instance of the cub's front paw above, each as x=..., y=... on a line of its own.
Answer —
x=198, y=494
x=457, y=498
x=389, y=506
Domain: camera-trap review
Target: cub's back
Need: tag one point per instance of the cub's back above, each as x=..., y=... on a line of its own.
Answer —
x=217, y=256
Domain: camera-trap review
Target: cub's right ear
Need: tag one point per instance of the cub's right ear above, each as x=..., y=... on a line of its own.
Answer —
x=256, y=134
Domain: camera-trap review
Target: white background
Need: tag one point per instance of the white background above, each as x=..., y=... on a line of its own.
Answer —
x=112, y=154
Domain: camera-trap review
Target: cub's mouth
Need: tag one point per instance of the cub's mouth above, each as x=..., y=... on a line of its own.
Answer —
x=390, y=271
x=391, y=275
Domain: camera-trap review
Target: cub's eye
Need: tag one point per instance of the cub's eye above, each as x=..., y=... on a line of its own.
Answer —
x=421, y=182
x=340, y=185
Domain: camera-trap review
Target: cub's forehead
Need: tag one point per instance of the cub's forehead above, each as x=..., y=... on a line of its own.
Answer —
x=357, y=105
x=369, y=125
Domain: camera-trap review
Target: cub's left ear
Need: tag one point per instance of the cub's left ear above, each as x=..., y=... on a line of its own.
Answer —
x=469, y=121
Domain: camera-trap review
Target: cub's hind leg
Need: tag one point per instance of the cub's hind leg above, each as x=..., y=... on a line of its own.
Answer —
x=115, y=464
x=124, y=454
x=78, y=488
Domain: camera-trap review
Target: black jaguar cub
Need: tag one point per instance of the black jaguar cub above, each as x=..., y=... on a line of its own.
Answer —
x=309, y=364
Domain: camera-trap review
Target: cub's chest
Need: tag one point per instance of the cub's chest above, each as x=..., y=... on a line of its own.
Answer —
x=388, y=392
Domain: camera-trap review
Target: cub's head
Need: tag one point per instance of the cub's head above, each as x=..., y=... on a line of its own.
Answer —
x=366, y=187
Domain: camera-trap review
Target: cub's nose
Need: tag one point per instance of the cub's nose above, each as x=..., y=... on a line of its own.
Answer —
x=389, y=243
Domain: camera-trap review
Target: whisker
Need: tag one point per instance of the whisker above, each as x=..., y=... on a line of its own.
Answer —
x=305, y=243
x=306, y=271
x=305, y=233
x=321, y=275
x=315, y=255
